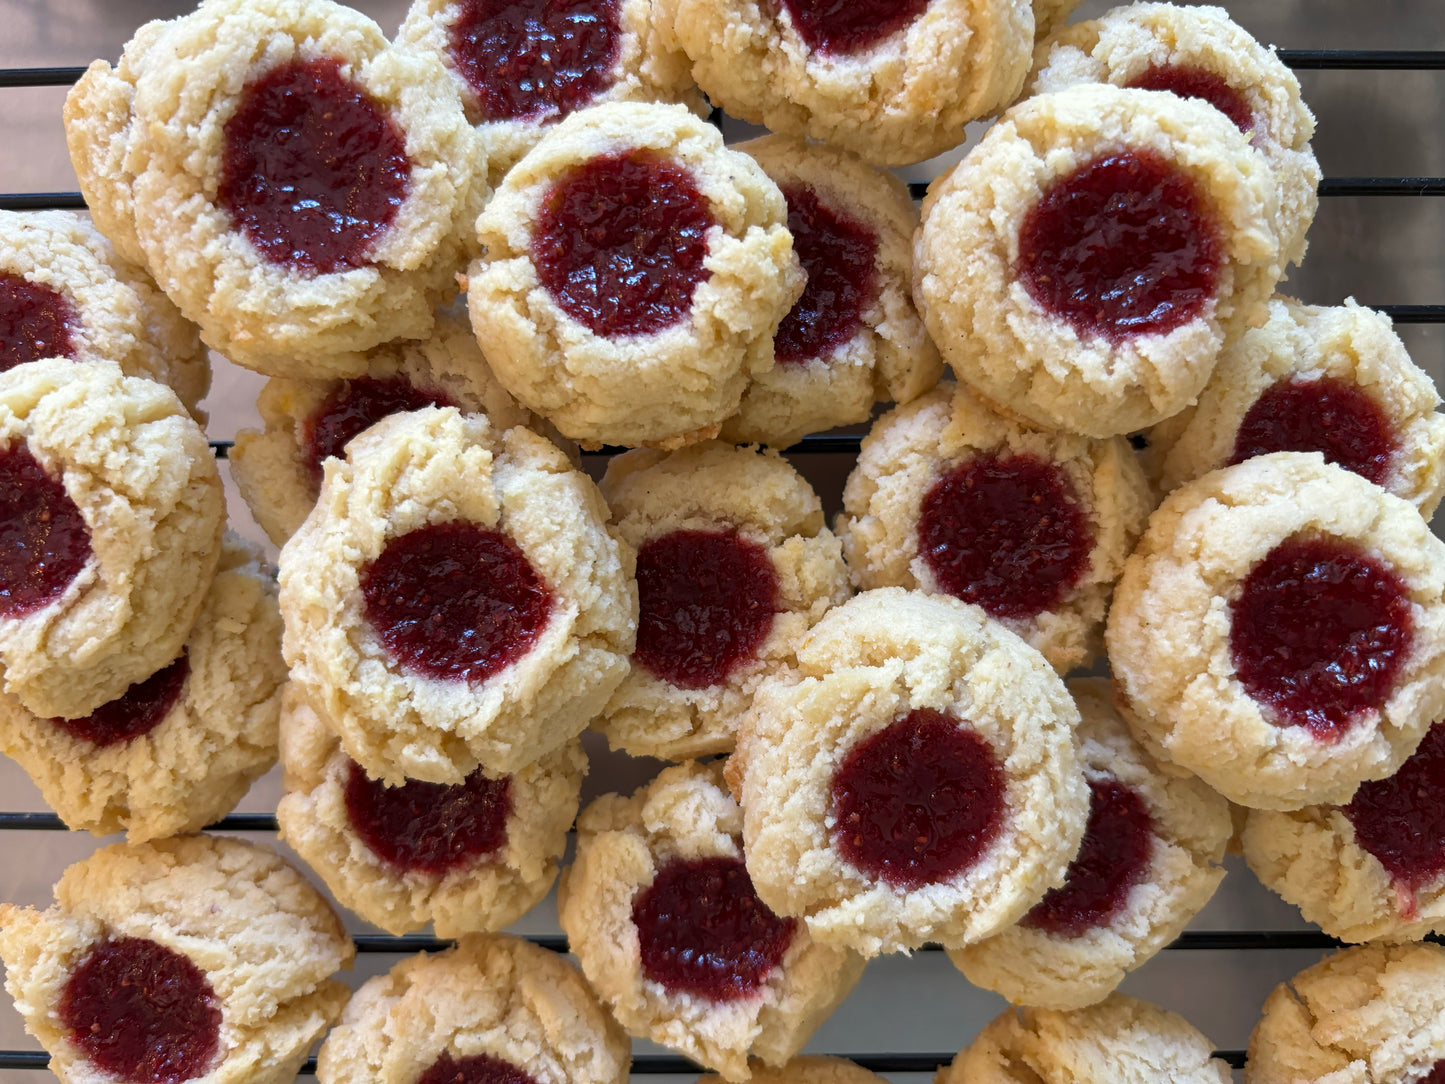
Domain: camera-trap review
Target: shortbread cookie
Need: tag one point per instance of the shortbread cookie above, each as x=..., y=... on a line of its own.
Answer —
x=1049, y=15
x=492, y=1008
x=1121, y=1040
x=455, y=599
x=1366, y=1015
x=807, y=1070
x=299, y=188
x=1199, y=52
x=1280, y=631
x=1149, y=862
x=194, y=957
x=520, y=68
x=894, y=83
x=1083, y=266
x=634, y=276
x=854, y=338
x=949, y=497
x=113, y=514
x=278, y=471
x=64, y=293
x=915, y=779
x=473, y=856
x=178, y=749
x=734, y=566
x=660, y=912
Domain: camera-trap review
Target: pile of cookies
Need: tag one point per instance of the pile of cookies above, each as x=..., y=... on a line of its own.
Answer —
x=465, y=254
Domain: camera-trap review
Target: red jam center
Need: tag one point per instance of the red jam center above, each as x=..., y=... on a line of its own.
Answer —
x=313, y=171
x=620, y=243
x=703, y=931
x=1436, y=1074
x=1318, y=634
x=840, y=27
x=474, y=1069
x=44, y=542
x=1191, y=82
x=1005, y=532
x=1112, y=859
x=838, y=253
x=918, y=802
x=430, y=827
x=356, y=405
x=1330, y=416
x=527, y=59
x=35, y=322
x=137, y=711
x=1401, y=820
x=707, y=601
x=455, y=601
x=1124, y=245
x=142, y=1012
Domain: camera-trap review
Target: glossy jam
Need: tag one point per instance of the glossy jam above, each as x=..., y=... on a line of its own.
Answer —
x=840, y=27
x=1124, y=245
x=44, y=542
x=1005, y=532
x=1401, y=820
x=142, y=1012
x=918, y=802
x=455, y=601
x=620, y=243
x=838, y=253
x=1335, y=418
x=529, y=59
x=137, y=711
x=430, y=827
x=1436, y=1074
x=707, y=602
x=35, y=322
x=1112, y=859
x=356, y=405
x=703, y=931
x=474, y=1069
x=1318, y=633
x=1191, y=82
x=313, y=171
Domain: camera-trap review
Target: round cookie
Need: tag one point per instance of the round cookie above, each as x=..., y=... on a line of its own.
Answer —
x=648, y=332
x=1364, y=1014
x=180, y=748
x=914, y=780
x=650, y=870
x=189, y=957
x=113, y=514
x=1149, y=862
x=1280, y=631
x=893, y=83
x=949, y=497
x=278, y=471
x=473, y=856
x=854, y=338
x=455, y=599
x=813, y=1069
x=1009, y=275
x=734, y=566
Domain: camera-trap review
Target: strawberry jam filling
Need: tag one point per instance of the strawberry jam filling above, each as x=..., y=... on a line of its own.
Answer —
x=474, y=1069
x=1436, y=1074
x=44, y=542
x=1191, y=82
x=430, y=827
x=1318, y=634
x=919, y=802
x=703, y=931
x=1112, y=859
x=35, y=322
x=356, y=405
x=137, y=711
x=142, y=1012
x=620, y=243
x=838, y=254
x=1330, y=416
x=1401, y=820
x=455, y=601
x=313, y=171
x=840, y=27
x=1124, y=245
x=1005, y=532
x=706, y=604
x=529, y=59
